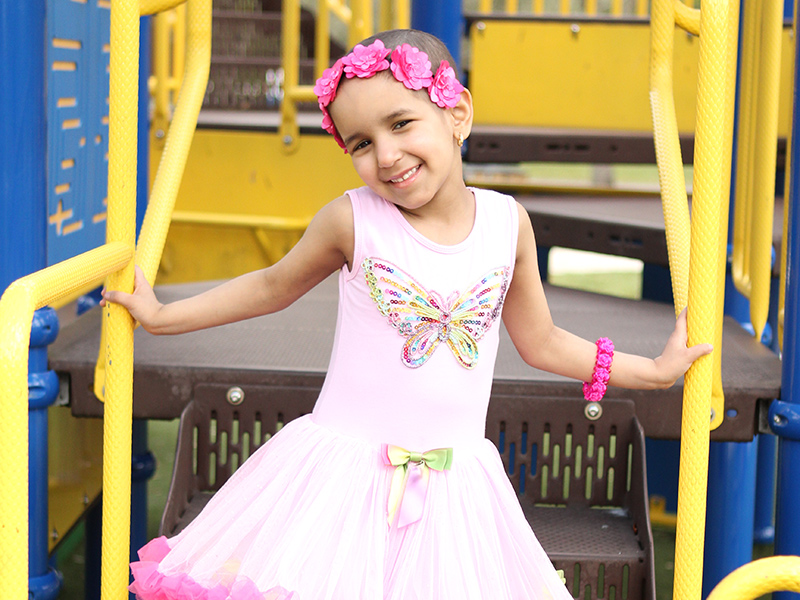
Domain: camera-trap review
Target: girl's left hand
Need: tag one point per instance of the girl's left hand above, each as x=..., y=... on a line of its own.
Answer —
x=677, y=357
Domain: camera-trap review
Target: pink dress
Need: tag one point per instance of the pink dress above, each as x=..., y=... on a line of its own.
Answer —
x=318, y=512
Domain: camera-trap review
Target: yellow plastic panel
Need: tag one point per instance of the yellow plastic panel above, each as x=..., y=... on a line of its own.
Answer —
x=581, y=75
x=75, y=476
x=249, y=175
x=542, y=74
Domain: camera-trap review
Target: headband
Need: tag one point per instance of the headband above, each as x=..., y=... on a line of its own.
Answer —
x=408, y=64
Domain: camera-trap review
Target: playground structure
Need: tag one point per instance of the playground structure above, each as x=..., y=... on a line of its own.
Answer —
x=718, y=35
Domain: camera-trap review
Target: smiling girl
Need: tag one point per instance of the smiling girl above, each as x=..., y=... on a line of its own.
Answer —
x=389, y=488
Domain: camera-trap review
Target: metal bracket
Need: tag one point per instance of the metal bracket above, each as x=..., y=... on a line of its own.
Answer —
x=784, y=419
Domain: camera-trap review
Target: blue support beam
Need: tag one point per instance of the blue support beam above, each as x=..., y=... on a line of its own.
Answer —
x=731, y=510
x=444, y=19
x=783, y=416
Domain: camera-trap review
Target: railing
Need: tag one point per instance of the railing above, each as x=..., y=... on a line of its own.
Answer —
x=751, y=264
x=114, y=261
x=701, y=283
x=358, y=18
x=169, y=59
x=590, y=8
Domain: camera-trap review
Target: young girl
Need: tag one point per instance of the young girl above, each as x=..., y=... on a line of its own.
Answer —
x=389, y=489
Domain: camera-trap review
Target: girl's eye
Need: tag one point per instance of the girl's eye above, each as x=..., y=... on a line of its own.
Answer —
x=401, y=124
x=360, y=145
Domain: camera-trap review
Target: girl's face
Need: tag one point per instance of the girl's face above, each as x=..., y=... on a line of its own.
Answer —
x=403, y=146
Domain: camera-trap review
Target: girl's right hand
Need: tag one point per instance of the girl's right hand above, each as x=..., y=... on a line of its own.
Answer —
x=142, y=303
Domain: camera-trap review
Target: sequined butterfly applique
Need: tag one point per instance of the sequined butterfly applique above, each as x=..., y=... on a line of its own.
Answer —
x=426, y=318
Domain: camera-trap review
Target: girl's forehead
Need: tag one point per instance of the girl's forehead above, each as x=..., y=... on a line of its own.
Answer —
x=377, y=94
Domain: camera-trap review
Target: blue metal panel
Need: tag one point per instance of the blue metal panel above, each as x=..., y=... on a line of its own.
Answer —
x=77, y=126
x=22, y=131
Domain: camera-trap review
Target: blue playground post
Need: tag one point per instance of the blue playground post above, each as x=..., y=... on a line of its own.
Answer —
x=444, y=20
x=785, y=415
x=731, y=510
x=45, y=583
x=23, y=222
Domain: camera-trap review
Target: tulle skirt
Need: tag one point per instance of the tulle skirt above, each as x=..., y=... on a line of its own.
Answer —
x=305, y=518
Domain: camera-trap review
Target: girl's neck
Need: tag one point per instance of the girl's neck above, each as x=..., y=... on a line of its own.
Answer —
x=446, y=221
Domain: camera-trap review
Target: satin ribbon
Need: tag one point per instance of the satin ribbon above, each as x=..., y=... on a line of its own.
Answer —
x=410, y=480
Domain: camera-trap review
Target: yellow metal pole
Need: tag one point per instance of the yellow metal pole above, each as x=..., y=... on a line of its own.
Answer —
x=711, y=166
x=485, y=6
x=178, y=22
x=290, y=59
x=322, y=34
x=402, y=14
x=385, y=17
x=179, y=139
x=732, y=43
x=765, y=154
x=161, y=71
x=120, y=227
x=745, y=163
x=512, y=7
x=668, y=152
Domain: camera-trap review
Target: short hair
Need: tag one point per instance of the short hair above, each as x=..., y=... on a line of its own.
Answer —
x=427, y=43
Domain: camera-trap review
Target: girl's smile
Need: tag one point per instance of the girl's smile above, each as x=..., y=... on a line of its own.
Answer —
x=406, y=176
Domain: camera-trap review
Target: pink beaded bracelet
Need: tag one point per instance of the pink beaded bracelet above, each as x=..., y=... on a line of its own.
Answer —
x=594, y=391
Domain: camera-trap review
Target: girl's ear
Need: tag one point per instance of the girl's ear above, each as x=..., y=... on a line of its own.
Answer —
x=462, y=115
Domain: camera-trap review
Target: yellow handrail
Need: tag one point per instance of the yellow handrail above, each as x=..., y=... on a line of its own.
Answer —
x=668, y=152
x=17, y=305
x=701, y=288
x=176, y=152
x=179, y=138
x=772, y=574
x=168, y=64
x=755, y=199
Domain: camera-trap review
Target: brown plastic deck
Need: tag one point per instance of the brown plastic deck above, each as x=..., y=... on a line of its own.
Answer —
x=289, y=351
x=631, y=226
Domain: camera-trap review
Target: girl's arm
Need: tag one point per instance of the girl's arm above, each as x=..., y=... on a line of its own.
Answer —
x=545, y=346
x=326, y=245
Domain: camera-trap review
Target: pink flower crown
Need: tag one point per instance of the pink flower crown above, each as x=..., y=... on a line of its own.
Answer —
x=409, y=65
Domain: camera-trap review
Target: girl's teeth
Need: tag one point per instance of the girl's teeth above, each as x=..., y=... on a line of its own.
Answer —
x=406, y=176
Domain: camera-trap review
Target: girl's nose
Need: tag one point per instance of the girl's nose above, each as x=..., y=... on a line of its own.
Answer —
x=388, y=153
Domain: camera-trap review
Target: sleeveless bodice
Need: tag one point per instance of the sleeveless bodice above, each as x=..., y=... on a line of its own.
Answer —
x=418, y=327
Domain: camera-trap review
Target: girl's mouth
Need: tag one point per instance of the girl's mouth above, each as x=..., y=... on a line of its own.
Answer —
x=405, y=176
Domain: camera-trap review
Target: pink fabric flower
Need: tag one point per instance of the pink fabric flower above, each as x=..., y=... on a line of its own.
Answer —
x=445, y=91
x=327, y=125
x=325, y=87
x=365, y=61
x=411, y=67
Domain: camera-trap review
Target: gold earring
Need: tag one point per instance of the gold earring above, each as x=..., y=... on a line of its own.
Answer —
x=460, y=140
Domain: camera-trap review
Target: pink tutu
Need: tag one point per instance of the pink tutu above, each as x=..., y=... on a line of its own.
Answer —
x=305, y=518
